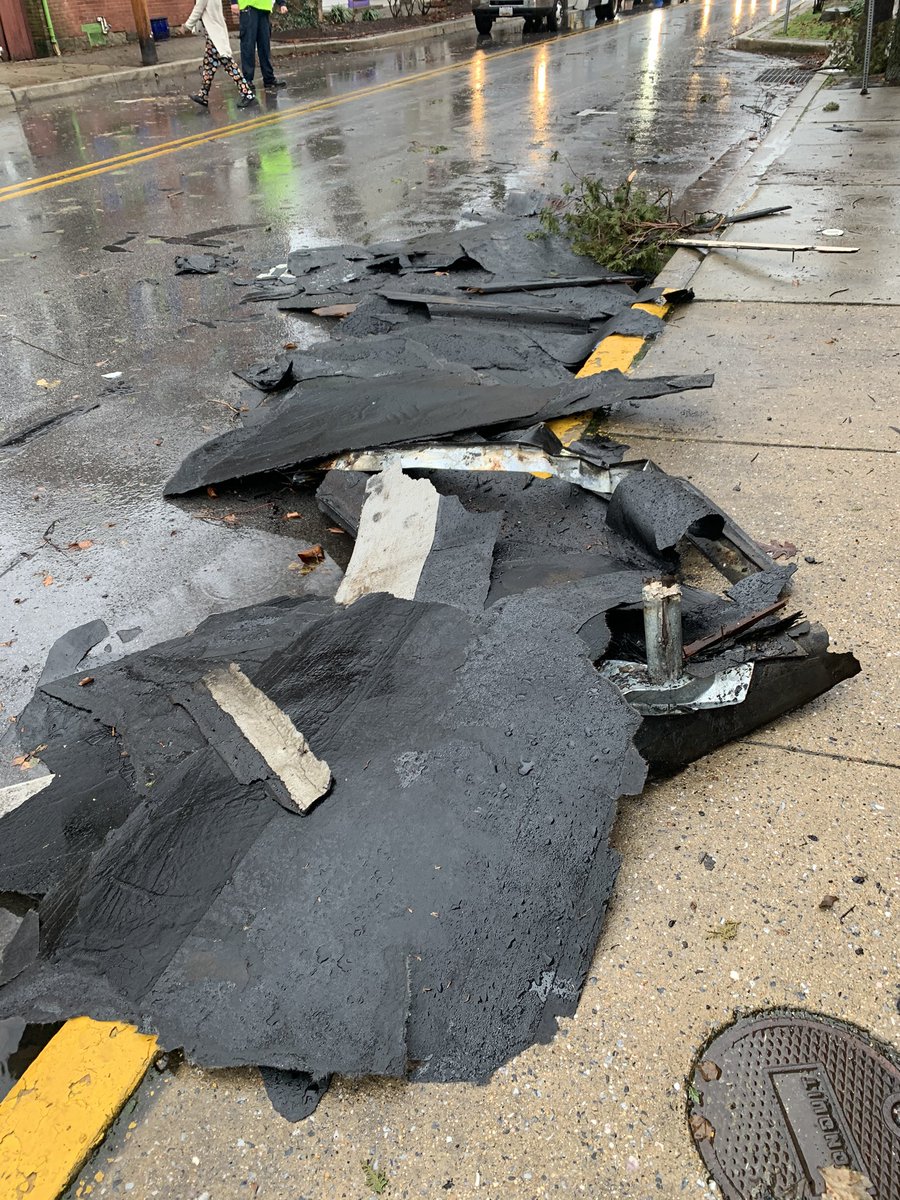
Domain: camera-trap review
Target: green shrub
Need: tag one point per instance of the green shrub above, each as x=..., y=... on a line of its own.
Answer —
x=847, y=42
x=621, y=228
x=301, y=14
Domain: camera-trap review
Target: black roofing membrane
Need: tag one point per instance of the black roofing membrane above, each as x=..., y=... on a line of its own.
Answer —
x=437, y=908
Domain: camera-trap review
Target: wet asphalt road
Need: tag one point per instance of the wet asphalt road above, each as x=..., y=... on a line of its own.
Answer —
x=359, y=147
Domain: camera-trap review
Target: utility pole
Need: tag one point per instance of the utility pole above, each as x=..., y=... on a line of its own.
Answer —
x=145, y=36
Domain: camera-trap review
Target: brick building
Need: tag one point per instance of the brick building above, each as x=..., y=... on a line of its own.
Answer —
x=28, y=27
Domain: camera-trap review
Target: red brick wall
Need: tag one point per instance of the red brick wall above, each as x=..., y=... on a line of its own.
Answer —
x=70, y=15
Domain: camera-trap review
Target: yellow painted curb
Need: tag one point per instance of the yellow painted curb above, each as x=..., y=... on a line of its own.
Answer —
x=617, y=352
x=64, y=1103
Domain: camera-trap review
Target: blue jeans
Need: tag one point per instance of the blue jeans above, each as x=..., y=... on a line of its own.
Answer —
x=255, y=30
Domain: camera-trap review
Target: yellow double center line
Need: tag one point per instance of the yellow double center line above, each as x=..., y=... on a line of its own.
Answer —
x=119, y=162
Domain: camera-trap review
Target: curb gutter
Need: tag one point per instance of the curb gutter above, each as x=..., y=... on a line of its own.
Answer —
x=129, y=79
x=684, y=264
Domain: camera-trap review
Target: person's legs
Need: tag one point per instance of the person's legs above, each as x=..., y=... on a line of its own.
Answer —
x=263, y=46
x=231, y=68
x=207, y=72
x=248, y=32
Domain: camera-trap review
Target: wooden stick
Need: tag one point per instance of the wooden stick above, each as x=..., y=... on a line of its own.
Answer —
x=714, y=244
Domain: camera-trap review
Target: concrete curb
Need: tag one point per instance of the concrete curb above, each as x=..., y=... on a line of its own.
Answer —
x=777, y=45
x=64, y=1103
x=769, y=24
x=761, y=39
x=144, y=79
x=684, y=264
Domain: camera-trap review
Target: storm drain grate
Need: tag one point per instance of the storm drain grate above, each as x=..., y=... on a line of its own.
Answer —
x=795, y=1105
x=793, y=76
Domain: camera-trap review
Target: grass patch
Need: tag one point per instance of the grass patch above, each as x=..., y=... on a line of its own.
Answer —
x=806, y=26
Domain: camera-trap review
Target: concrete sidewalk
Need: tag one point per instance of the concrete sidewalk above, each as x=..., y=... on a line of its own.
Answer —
x=118, y=69
x=799, y=441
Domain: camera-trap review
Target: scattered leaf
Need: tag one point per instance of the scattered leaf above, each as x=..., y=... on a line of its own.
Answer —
x=9, y=643
x=828, y=902
x=26, y=761
x=778, y=549
x=336, y=529
x=701, y=1128
x=289, y=346
x=726, y=932
x=230, y=519
x=315, y=554
x=843, y=1184
x=211, y=492
x=48, y=384
x=292, y=516
x=84, y=544
x=709, y=1070
x=47, y=580
x=376, y=1181
x=692, y=1094
x=86, y=682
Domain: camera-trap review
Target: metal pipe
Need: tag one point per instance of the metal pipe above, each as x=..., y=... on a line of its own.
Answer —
x=662, y=631
x=787, y=15
x=867, y=51
x=52, y=32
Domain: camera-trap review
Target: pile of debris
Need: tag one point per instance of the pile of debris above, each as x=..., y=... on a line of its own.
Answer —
x=369, y=834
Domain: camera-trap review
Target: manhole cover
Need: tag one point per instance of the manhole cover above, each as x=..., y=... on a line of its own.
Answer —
x=794, y=76
x=780, y=1097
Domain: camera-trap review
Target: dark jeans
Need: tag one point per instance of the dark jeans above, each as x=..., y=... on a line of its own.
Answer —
x=255, y=29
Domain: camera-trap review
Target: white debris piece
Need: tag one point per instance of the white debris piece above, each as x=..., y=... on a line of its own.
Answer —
x=272, y=733
x=396, y=533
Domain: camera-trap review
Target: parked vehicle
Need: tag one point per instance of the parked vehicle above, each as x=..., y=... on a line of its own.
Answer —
x=551, y=15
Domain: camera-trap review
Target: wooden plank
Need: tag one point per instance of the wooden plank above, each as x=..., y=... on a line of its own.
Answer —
x=17, y=41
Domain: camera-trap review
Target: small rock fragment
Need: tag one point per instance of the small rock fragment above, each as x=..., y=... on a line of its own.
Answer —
x=701, y=1128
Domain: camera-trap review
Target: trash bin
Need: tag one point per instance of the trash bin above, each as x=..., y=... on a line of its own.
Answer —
x=159, y=27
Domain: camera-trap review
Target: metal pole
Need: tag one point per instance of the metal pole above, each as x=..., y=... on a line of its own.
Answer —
x=787, y=15
x=867, y=53
x=662, y=632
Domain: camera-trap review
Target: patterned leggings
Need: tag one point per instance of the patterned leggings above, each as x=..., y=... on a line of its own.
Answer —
x=212, y=60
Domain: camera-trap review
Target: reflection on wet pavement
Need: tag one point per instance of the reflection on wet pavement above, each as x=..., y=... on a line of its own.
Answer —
x=361, y=147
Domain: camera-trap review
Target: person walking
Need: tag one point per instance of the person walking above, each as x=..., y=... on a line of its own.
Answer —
x=256, y=38
x=208, y=20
